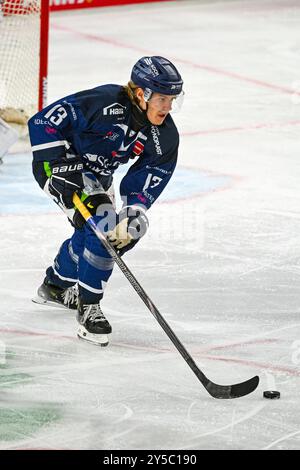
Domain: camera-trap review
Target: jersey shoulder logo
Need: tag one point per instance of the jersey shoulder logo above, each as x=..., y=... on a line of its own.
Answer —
x=115, y=109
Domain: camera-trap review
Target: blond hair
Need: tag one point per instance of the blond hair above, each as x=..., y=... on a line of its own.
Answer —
x=130, y=90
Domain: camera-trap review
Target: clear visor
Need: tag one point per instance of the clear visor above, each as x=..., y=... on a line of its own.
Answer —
x=169, y=103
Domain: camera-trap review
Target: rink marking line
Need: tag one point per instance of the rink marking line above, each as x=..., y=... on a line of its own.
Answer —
x=35, y=333
x=208, y=68
x=140, y=347
x=199, y=354
x=241, y=128
x=261, y=365
x=209, y=182
x=241, y=344
x=237, y=76
x=232, y=181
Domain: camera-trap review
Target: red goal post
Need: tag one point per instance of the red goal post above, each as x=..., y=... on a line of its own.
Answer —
x=59, y=5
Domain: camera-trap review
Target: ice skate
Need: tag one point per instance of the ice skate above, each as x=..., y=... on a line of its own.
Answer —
x=93, y=326
x=48, y=294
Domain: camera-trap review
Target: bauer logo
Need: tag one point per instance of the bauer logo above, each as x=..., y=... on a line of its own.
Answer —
x=115, y=109
x=67, y=168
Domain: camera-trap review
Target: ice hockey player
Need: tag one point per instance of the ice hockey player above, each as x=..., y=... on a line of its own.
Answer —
x=78, y=142
x=8, y=136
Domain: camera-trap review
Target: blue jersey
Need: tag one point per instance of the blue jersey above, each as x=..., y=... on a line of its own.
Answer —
x=96, y=125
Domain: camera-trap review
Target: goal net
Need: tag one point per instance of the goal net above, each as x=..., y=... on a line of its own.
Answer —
x=23, y=58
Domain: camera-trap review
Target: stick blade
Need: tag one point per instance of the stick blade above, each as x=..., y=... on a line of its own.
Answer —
x=232, y=391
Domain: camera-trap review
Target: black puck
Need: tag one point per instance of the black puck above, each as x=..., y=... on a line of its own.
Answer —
x=272, y=394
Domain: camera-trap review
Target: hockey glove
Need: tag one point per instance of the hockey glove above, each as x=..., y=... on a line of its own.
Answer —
x=132, y=224
x=65, y=180
x=97, y=204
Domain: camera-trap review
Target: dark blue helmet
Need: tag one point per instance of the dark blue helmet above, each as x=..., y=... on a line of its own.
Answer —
x=158, y=75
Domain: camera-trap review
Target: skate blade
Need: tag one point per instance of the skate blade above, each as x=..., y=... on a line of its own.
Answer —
x=98, y=340
x=49, y=303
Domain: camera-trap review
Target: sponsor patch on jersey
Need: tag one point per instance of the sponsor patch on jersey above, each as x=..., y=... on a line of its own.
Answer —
x=100, y=164
x=91, y=157
x=141, y=198
x=50, y=130
x=41, y=122
x=115, y=109
x=161, y=170
x=112, y=136
x=138, y=148
x=72, y=109
x=155, y=133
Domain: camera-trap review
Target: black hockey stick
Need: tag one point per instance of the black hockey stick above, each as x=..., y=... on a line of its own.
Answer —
x=215, y=390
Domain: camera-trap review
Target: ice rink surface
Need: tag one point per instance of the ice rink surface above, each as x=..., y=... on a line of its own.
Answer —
x=221, y=260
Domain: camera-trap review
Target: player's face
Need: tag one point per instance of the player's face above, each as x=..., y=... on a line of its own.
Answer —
x=159, y=107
